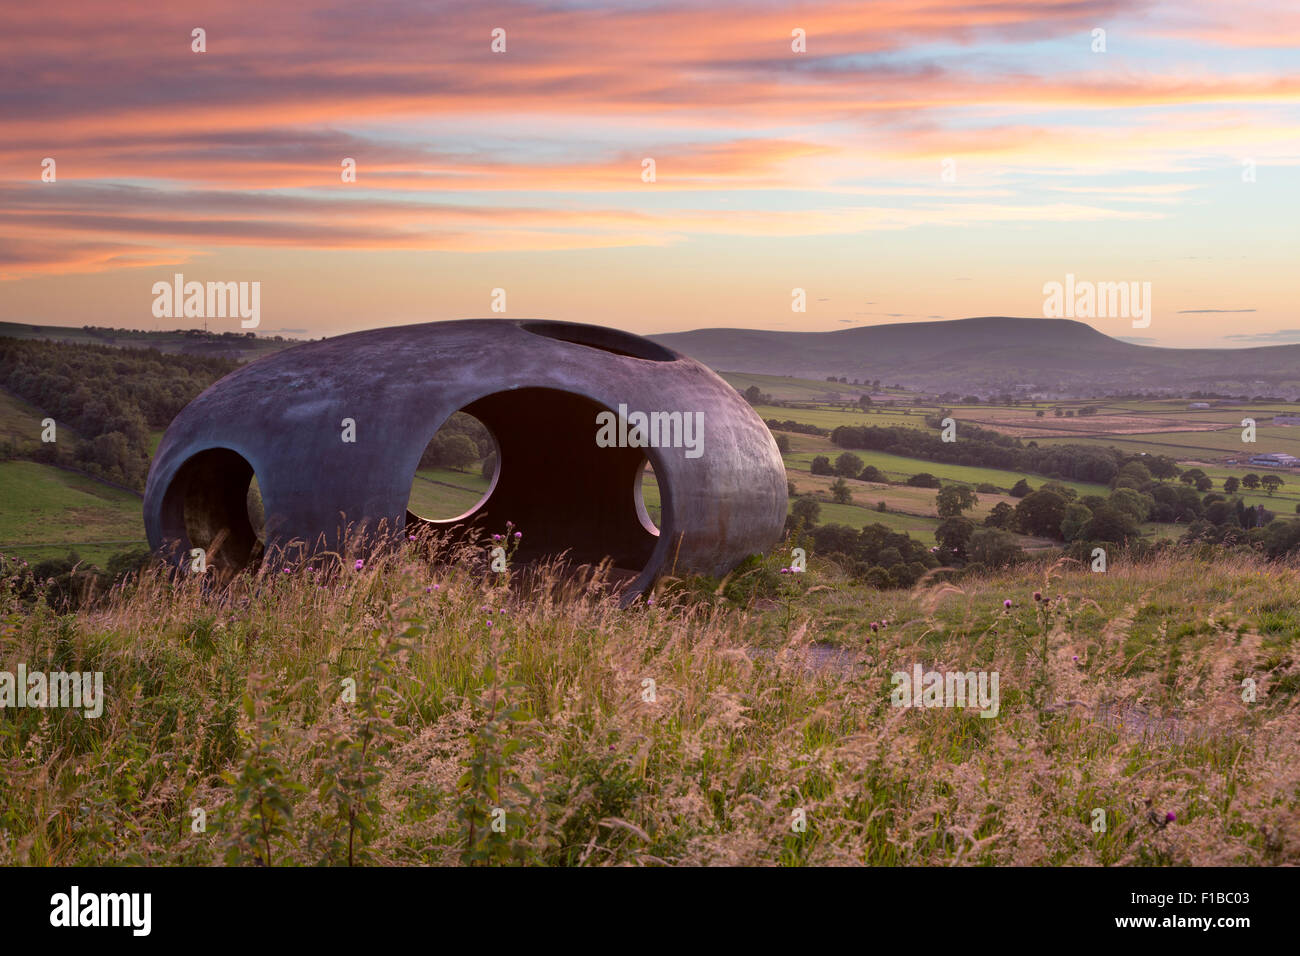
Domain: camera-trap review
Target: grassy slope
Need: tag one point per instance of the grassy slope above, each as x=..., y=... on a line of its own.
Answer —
x=48, y=511
x=1123, y=694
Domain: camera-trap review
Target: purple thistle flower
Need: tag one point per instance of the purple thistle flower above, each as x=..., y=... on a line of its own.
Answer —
x=1007, y=603
x=518, y=535
x=359, y=565
x=1169, y=817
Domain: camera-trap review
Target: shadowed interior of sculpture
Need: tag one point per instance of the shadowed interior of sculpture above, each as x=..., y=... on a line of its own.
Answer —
x=562, y=491
x=207, y=506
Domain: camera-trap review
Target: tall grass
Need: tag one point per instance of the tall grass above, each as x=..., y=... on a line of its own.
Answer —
x=421, y=711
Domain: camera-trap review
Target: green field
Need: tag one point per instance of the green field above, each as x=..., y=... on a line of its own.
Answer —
x=48, y=512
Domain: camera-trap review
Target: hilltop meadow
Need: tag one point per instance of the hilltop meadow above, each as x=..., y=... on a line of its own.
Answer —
x=392, y=713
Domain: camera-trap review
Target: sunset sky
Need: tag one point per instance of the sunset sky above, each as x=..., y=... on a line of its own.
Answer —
x=775, y=169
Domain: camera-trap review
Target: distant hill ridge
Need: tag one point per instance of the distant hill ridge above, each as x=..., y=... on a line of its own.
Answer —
x=990, y=352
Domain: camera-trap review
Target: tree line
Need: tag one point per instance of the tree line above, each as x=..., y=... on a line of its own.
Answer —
x=111, y=397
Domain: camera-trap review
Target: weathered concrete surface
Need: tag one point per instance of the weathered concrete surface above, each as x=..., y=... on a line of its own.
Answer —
x=536, y=385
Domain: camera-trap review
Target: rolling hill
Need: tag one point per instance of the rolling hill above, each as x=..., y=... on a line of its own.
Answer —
x=1056, y=357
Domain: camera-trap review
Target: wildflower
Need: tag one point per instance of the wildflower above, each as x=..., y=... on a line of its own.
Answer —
x=360, y=564
x=1038, y=595
x=489, y=623
x=496, y=537
x=1169, y=817
x=510, y=524
x=875, y=627
x=285, y=571
x=1075, y=658
x=518, y=535
x=410, y=537
x=428, y=590
x=784, y=571
x=1007, y=603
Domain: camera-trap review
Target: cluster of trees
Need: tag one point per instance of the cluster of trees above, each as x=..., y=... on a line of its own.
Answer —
x=989, y=449
x=111, y=397
x=799, y=428
x=876, y=555
x=1058, y=512
x=847, y=465
x=461, y=442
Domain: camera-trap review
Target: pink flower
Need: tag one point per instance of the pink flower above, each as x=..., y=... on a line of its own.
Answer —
x=360, y=564
x=1169, y=817
x=496, y=537
x=1007, y=603
x=489, y=623
x=518, y=535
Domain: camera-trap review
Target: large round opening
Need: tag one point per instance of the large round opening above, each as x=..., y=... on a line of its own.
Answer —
x=214, y=505
x=456, y=471
x=557, y=488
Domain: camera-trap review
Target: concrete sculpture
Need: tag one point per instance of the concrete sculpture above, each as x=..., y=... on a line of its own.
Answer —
x=334, y=431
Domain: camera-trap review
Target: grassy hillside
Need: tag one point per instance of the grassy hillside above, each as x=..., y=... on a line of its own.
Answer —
x=49, y=511
x=1121, y=692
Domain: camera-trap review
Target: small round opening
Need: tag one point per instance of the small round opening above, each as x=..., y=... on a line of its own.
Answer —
x=597, y=337
x=456, y=472
x=213, y=504
x=649, y=508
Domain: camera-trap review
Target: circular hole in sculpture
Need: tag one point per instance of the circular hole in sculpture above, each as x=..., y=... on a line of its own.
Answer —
x=649, y=507
x=212, y=505
x=553, y=489
x=606, y=340
x=456, y=472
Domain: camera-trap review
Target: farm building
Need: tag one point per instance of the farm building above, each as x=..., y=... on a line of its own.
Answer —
x=1275, y=460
